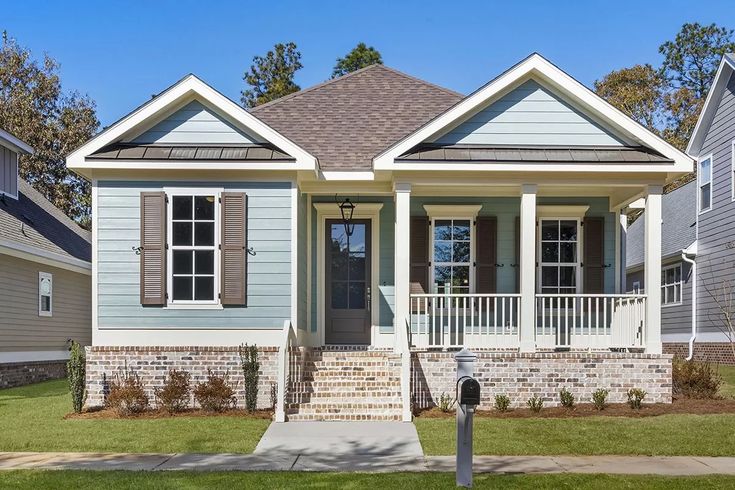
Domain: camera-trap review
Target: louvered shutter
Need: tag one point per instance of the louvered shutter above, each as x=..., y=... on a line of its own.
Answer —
x=486, y=235
x=153, y=248
x=419, y=259
x=234, y=211
x=594, y=255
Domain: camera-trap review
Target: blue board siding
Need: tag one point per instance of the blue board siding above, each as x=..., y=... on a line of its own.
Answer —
x=195, y=124
x=530, y=115
x=269, y=271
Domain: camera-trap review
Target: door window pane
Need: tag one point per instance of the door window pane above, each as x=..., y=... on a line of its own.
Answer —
x=339, y=295
x=348, y=266
x=357, y=267
x=357, y=295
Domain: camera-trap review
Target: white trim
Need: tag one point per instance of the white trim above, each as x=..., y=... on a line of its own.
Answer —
x=295, y=255
x=566, y=210
x=679, y=283
x=95, y=261
x=537, y=67
x=345, y=175
x=309, y=268
x=711, y=103
x=34, y=356
x=50, y=278
x=701, y=210
x=41, y=256
x=328, y=210
x=732, y=169
x=189, y=88
x=452, y=211
x=16, y=144
x=17, y=177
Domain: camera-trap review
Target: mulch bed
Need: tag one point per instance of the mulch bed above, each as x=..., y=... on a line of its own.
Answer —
x=679, y=406
x=106, y=413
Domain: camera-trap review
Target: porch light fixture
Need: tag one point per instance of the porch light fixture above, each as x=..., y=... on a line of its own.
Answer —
x=347, y=208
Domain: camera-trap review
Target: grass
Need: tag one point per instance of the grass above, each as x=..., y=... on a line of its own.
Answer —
x=31, y=419
x=728, y=380
x=665, y=435
x=114, y=480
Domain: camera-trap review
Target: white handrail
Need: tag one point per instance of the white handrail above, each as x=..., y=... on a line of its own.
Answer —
x=289, y=340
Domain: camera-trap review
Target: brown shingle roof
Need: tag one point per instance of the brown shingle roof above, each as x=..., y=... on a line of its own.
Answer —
x=345, y=122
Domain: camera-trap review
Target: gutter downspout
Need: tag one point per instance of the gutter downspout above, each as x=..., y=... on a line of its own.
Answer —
x=685, y=258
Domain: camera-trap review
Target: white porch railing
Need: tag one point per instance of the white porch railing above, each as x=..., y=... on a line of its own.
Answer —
x=590, y=321
x=457, y=320
x=290, y=367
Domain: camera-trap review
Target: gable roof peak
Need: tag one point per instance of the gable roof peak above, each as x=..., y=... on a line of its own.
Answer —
x=711, y=103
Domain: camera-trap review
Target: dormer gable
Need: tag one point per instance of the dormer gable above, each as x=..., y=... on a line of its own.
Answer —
x=10, y=150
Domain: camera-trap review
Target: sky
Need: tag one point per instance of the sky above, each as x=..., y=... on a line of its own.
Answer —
x=121, y=53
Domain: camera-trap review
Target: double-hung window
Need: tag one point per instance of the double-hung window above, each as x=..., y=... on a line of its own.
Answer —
x=452, y=256
x=704, y=177
x=671, y=285
x=559, y=253
x=193, y=254
x=45, y=293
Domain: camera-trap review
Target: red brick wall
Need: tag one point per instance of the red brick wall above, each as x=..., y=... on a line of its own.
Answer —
x=717, y=352
x=24, y=373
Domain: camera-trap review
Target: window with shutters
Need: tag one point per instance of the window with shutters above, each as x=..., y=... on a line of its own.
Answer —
x=193, y=247
x=671, y=285
x=559, y=256
x=452, y=255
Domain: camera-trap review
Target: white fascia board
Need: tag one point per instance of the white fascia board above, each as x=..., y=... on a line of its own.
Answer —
x=538, y=66
x=187, y=88
x=709, y=109
x=347, y=175
x=15, y=144
x=35, y=254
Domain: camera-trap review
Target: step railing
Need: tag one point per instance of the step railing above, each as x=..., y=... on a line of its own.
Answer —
x=458, y=320
x=590, y=321
x=290, y=367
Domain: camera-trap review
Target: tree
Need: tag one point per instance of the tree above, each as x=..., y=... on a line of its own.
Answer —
x=272, y=76
x=34, y=108
x=360, y=57
x=637, y=91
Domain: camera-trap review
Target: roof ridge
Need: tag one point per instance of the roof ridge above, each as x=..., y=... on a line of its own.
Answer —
x=349, y=75
x=54, y=211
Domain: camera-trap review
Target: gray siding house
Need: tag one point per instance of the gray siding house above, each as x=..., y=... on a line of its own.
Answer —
x=45, y=278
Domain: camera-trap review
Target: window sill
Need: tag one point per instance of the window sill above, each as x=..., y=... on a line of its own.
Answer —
x=193, y=307
x=670, y=304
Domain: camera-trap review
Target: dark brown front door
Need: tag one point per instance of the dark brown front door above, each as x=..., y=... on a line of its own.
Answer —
x=347, y=319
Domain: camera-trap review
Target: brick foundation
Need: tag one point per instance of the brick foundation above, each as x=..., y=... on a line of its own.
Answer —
x=717, y=352
x=153, y=363
x=520, y=376
x=25, y=373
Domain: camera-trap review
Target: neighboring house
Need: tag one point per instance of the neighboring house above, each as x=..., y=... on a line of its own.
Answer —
x=361, y=230
x=45, y=278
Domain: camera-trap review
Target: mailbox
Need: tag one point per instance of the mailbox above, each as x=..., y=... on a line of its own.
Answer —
x=468, y=391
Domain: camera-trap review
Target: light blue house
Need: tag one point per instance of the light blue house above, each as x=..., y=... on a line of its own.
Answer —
x=379, y=216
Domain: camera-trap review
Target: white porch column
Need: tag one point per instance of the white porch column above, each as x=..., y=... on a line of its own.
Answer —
x=652, y=274
x=402, y=290
x=528, y=268
x=621, y=235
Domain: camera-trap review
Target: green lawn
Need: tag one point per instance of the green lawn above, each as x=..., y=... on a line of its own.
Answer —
x=666, y=435
x=424, y=481
x=31, y=419
x=728, y=381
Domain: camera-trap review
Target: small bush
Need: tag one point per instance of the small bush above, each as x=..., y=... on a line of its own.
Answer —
x=635, y=397
x=599, y=398
x=274, y=395
x=251, y=374
x=446, y=403
x=535, y=403
x=215, y=394
x=694, y=379
x=502, y=403
x=174, y=395
x=127, y=396
x=76, y=373
x=566, y=397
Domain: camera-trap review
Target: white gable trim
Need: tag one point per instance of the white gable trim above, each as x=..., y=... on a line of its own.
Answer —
x=189, y=88
x=17, y=145
x=711, y=103
x=537, y=67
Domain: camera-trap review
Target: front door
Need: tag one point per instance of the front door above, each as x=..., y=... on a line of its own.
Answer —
x=347, y=288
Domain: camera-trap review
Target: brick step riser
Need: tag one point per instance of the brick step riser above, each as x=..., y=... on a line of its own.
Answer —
x=327, y=400
x=343, y=418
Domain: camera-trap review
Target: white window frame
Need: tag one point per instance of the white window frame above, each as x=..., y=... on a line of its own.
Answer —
x=192, y=191
x=41, y=311
x=578, y=264
x=665, y=286
x=700, y=184
x=470, y=264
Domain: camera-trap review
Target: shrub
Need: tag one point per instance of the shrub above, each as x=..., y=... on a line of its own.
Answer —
x=446, y=403
x=599, y=398
x=274, y=395
x=502, y=403
x=535, y=403
x=694, y=379
x=127, y=396
x=566, y=397
x=635, y=397
x=174, y=395
x=250, y=372
x=215, y=394
x=76, y=373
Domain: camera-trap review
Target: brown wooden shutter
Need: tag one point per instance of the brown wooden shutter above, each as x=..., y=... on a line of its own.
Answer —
x=419, y=259
x=234, y=211
x=487, y=255
x=517, y=265
x=153, y=248
x=594, y=255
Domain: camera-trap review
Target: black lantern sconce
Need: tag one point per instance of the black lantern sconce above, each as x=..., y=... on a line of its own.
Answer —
x=347, y=209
